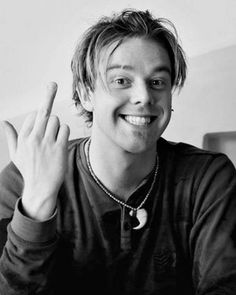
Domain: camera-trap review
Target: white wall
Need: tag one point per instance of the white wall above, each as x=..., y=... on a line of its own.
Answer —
x=208, y=101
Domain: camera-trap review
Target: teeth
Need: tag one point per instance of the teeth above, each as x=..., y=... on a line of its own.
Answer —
x=136, y=120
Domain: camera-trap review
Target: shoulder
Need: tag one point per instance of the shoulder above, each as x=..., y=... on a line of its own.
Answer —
x=189, y=159
x=74, y=144
x=11, y=187
x=75, y=150
x=201, y=177
x=185, y=149
x=11, y=175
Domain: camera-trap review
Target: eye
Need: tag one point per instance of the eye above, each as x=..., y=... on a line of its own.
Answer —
x=121, y=82
x=157, y=83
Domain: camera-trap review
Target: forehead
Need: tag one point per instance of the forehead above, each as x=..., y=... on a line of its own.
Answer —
x=135, y=54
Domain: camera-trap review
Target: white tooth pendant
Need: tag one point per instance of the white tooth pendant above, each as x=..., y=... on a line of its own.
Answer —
x=141, y=216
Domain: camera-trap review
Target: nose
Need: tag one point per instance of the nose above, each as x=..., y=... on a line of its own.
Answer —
x=141, y=94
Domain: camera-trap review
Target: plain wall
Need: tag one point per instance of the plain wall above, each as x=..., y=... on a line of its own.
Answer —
x=207, y=103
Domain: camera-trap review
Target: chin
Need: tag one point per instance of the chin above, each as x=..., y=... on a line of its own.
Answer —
x=140, y=147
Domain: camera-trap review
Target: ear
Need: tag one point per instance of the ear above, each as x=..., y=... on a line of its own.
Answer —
x=86, y=101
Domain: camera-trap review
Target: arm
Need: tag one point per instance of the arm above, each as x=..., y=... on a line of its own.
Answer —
x=40, y=153
x=213, y=235
x=26, y=246
x=28, y=219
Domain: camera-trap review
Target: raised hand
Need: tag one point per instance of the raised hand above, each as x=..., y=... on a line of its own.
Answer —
x=40, y=153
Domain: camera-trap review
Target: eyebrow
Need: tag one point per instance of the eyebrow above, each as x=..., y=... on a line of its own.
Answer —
x=161, y=68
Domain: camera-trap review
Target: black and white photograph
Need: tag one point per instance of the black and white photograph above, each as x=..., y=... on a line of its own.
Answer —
x=117, y=147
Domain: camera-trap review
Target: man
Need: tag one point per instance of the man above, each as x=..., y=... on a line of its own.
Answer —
x=123, y=211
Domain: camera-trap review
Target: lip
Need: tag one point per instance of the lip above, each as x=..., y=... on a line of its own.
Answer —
x=138, y=120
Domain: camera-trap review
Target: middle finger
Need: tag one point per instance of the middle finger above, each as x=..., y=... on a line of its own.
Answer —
x=44, y=112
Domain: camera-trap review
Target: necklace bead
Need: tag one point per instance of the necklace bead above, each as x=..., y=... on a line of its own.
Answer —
x=134, y=211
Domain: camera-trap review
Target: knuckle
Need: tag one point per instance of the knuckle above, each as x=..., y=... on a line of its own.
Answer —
x=64, y=127
x=33, y=139
x=30, y=117
x=54, y=120
x=43, y=112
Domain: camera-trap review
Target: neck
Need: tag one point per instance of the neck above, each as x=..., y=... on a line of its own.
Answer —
x=119, y=171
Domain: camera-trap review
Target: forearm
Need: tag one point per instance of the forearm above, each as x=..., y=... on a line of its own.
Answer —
x=27, y=258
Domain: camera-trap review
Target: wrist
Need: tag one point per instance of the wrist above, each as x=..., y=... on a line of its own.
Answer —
x=38, y=207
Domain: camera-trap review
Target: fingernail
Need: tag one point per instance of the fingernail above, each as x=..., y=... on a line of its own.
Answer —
x=52, y=85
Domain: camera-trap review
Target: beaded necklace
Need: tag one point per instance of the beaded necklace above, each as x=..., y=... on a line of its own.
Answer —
x=138, y=213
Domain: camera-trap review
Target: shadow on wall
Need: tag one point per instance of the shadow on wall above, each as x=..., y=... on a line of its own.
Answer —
x=66, y=114
x=224, y=142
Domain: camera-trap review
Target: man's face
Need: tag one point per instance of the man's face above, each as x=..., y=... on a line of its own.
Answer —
x=134, y=110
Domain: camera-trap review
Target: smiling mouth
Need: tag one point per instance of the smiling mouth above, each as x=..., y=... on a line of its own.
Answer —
x=138, y=120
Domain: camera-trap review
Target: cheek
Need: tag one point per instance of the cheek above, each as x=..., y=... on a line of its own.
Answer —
x=104, y=112
x=165, y=103
x=168, y=104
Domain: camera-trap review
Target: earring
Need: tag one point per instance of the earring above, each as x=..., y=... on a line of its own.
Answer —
x=172, y=110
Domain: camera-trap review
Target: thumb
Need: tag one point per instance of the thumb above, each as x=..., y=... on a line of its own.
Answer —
x=11, y=136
